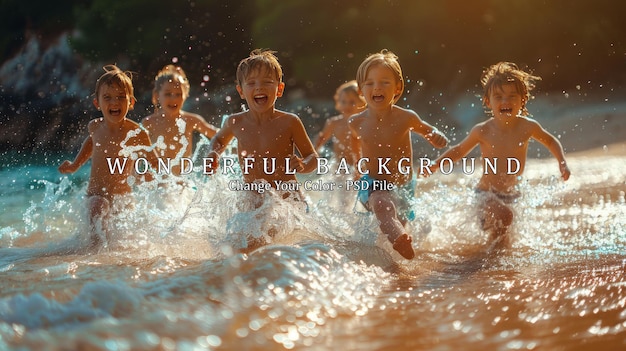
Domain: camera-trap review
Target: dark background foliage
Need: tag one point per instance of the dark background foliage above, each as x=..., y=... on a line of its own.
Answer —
x=575, y=45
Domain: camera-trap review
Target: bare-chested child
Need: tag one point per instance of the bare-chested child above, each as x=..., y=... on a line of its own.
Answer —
x=384, y=139
x=504, y=136
x=264, y=134
x=348, y=102
x=110, y=137
x=170, y=127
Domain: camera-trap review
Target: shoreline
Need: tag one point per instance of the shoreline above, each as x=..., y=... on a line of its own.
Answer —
x=614, y=149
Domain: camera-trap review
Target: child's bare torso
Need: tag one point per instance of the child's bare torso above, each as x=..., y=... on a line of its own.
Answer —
x=176, y=133
x=505, y=149
x=386, y=142
x=266, y=144
x=107, y=143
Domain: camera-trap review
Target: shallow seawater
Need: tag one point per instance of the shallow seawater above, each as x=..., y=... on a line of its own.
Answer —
x=171, y=278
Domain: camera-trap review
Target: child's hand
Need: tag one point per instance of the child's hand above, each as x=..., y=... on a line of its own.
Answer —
x=296, y=163
x=565, y=173
x=430, y=170
x=67, y=167
x=211, y=165
x=437, y=139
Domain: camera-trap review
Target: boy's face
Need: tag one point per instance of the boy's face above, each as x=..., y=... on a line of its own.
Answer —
x=114, y=102
x=260, y=89
x=170, y=97
x=380, y=87
x=349, y=103
x=505, y=101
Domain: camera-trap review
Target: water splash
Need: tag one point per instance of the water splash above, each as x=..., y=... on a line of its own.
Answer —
x=172, y=275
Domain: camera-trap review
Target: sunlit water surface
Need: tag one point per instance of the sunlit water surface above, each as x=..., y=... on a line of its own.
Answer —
x=170, y=277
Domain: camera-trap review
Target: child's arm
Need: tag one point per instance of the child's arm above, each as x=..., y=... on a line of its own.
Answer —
x=554, y=146
x=217, y=146
x=460, y=150
x=83, y=156
x=308, y=161
x=353, y=123
x=430, y=133
x=199, y=124
x=324, y=135
x=356, y=147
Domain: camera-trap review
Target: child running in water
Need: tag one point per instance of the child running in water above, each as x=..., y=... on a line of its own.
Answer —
x=111, y=136
x=504, y=136
x=384, y=138
x=267, y=139
x=348, y=102
x=171, y=128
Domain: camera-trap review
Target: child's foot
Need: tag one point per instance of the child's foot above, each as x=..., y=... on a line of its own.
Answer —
x=500, y=239
x=402, y=244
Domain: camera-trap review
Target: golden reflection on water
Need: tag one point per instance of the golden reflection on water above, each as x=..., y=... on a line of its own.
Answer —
x=561, y=286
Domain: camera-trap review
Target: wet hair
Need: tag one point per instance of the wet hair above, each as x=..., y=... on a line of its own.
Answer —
x=349, y=87
x=384, y=58
x=259, y=59
x=503, y=73
x=170, y=73
x=113, y=75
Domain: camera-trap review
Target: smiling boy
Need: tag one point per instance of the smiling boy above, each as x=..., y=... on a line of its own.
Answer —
x=171, y=124
x=383, y=132
x=110, y=136
x=263, y=132
x=506, y=90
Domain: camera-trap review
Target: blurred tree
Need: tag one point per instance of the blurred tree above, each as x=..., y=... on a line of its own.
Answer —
x=326, y=40
x=321, y=43
x=205, y=37
x=566, y=42
x=444, y=44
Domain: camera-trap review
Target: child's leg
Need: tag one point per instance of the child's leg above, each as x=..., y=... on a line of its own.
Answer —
x=381, y=203
x=99, y=208
x=496, y=217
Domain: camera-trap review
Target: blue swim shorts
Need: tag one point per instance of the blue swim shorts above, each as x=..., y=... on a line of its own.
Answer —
x=402, y=196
